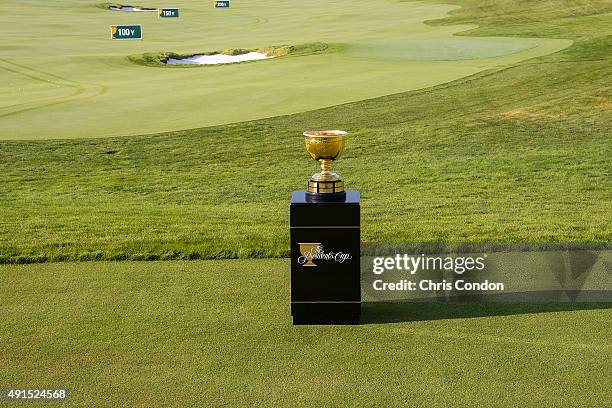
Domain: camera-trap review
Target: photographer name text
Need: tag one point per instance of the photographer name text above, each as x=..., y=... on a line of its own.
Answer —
x=412, y=264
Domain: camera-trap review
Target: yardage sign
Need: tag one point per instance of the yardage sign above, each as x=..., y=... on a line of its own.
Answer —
x=126, y=32
x=222, y=4
x=168, y=12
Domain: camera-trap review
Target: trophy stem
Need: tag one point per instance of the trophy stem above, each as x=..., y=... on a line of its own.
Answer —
x=325, y=166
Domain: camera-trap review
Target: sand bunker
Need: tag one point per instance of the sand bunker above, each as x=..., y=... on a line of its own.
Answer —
x=131, y=8
x=214, y=59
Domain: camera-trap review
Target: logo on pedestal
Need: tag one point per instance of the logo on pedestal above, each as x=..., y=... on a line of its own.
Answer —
x=311, y=251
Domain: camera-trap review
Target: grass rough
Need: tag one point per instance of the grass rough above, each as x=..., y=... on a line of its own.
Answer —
x=520, y=154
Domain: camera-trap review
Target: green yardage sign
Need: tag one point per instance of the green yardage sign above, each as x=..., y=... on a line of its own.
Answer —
x=222, y=4
x=168, y=12
x=126, y=32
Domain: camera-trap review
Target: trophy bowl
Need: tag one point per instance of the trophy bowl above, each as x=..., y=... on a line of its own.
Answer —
x=325, y=146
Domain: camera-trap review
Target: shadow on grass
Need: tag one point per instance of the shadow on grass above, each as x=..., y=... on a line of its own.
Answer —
x=395, y=312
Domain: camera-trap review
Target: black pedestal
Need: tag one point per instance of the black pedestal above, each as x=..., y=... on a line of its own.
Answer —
x=325, y=275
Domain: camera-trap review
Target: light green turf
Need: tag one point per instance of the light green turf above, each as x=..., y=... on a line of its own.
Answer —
x=218, y=333
x=64, y=78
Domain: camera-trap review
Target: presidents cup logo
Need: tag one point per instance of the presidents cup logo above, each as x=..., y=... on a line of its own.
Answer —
x=311, y=251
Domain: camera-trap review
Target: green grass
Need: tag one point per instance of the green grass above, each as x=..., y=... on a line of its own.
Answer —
x=218, y=333
x=107, y=6
x=515, y=155
x=67, y=79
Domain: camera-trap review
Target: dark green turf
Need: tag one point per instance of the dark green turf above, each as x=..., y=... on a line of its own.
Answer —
x=517, y=155
x=218, y=333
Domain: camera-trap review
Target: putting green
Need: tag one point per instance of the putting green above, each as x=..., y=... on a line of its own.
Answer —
x=64, y=77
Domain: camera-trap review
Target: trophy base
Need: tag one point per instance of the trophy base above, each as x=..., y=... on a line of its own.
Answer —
x=325, y=191
x=325, y=197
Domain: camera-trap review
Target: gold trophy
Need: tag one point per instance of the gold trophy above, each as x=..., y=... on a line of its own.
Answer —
x=325, y=146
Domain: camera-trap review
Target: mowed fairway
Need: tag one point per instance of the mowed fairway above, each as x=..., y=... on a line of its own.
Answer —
x=64, y=78
x=218, y=333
